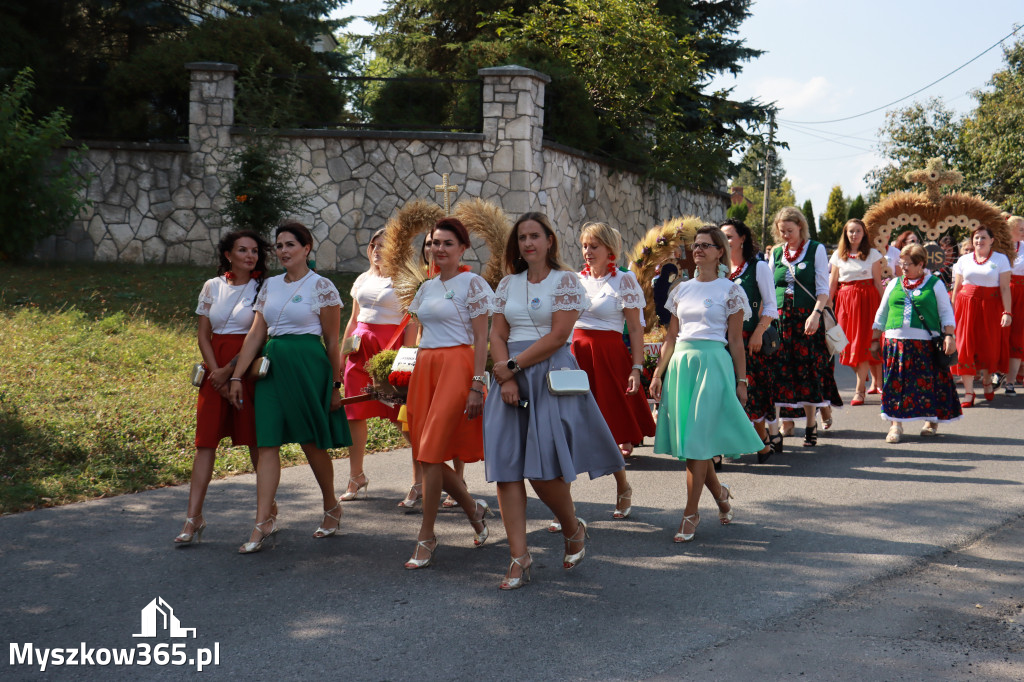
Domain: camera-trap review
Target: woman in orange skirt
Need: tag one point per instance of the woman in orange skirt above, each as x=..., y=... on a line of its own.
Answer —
x=1016, y=225
x=983, y=309
x=446, y=391
x=225, y=315
x=855, y=284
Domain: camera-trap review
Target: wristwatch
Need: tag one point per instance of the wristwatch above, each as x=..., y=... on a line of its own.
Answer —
x=512, y=365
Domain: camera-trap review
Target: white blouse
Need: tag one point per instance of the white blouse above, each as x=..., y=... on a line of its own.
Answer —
x=376, y=298
x=820, y=261
x=294, y=307
x=853, y=269
x=703, y=308
x=610, y=296
x=946, y=318
x=985, y=275
x=892, y=257
x=766, y=287
x=528, y=307
x=229, y=307
x=1018, y=262
x=446, y=309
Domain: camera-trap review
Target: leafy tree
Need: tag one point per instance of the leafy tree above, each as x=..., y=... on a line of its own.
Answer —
x=808, y=212
x=993, y=136
x=778, y=198
x=738, y=211
x=751, y=167
x=834, y=217
x=857, y=208
x=42, y=192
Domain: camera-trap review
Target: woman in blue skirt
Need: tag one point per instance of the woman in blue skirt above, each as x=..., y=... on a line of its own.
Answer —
x=700, y=415
x=299, y=315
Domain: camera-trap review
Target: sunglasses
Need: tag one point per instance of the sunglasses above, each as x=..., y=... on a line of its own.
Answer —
x=700, y=246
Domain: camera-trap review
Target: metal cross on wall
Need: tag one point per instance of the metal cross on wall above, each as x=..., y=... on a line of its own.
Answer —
x=448, y=191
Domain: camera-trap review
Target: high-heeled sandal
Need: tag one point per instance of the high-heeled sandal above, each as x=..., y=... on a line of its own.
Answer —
x=510, y=583
x=555, y=527
x=572, y=560
x=989, y=390
x=195, y=537
x=970, y=400
x=826, y=421
x=353, y=494
x=623, y=513
x=253, y=547
x=811, y=436
x=410, y=501
x=764, y=453
x=449, y=501
x=413, y=563
x=694, y=521
x=776, y=440
x=481, y=537
x=725, y=516
x=858, y=398
x=322, y=532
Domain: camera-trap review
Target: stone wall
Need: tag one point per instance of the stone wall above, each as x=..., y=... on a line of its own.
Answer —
x=162, y=203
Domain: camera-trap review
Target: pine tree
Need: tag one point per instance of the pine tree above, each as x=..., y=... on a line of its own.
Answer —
x=809, y=214
x=857, y=208
x=834, y=217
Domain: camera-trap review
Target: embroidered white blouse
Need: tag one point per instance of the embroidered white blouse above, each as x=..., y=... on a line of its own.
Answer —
x=294, y=307
x=229, y=307
x=610, y=296
x=1018, y=262
x=892, y=257
x=446, y=309
x=984, y=275
x=703, y=308
x=528, y=307
x=376, y=298
x=820, y=262
x=853, y=269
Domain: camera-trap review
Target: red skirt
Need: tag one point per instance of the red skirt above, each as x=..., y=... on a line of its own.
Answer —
x=436, y=404
x=856, y=305
x=355, y=378
x=981, y=343
x=216, y=418
x=603, y=356
x=1017, y=309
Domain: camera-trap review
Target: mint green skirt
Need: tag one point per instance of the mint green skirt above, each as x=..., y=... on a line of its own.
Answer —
x=700, y=416
x=293, y=402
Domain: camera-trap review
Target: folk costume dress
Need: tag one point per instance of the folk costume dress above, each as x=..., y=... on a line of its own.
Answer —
x=1016, y=349
x=804, y=373
x=443, y=375
x=700, y=416
x=914, y=388
x=229, y=308
x=980, y=342
x=599, y=350
x=857, y=300
x=554, y=435
x=755, y=277
x=293, y=402
x=379, y=317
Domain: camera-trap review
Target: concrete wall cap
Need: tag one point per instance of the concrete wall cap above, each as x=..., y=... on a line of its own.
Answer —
x=513, y=70
x=211, y=66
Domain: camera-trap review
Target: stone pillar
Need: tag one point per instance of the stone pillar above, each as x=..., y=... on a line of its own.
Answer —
x=513, y=127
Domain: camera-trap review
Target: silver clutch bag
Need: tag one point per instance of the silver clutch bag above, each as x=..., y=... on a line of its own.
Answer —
x=568, y=382
x=198, y=374
x=259, y=368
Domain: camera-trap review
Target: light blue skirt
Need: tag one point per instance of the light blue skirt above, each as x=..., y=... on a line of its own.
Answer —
x=700, y=416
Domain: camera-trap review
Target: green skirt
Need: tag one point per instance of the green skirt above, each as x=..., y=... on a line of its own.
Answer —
x=700, y=416
x=293, y=402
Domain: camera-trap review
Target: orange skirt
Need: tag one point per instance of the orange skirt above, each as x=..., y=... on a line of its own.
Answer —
x=981, y=343
x=216, y=418
x=1017, y=310
x=856, y=304
x=438, y=426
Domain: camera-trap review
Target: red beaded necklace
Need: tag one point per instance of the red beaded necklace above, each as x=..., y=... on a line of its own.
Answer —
x=974, y=255
x=737, y=272
x=907, y=286
x=792, y=256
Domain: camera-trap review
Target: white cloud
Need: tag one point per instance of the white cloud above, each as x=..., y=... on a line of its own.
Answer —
x=814, y=96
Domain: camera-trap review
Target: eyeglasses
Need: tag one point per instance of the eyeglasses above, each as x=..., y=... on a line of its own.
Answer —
x=700, y=246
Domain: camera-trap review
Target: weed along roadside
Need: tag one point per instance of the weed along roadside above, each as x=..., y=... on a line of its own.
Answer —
x=94, y=391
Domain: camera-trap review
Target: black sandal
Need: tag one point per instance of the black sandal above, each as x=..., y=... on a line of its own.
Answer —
x=811, y=436
x=764, y=453
x=776, y=442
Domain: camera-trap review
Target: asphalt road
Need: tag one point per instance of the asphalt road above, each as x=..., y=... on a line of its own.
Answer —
x=843, y=562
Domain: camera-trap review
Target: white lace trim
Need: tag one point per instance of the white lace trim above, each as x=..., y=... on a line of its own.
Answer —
x=205, y=301
x=569, y=294
x=261, y=300
x=629, y=294
x=501, y=296
x=737, y=300
x=478, y=298
x=325, y=295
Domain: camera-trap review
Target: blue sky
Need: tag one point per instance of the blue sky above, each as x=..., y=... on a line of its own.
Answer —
x=826, y=60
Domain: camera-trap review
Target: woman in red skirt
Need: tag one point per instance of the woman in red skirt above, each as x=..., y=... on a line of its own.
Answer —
x=616, y=299
x=855, y=284
x=983, y=309
x=1016, y=225
x=374, y=323
x=225, y=315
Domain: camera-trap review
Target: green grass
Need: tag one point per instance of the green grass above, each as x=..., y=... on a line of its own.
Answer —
x=94, y=397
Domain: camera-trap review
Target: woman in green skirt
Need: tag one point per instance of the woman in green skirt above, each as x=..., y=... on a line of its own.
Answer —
x=701, y=415
x=299, y=401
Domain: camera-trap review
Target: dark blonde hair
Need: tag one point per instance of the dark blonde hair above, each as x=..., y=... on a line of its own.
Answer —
x=790, y=214
x=718, y=237
x=608, y=236
x=863, y=249
x=514, y=262
x=914, y=252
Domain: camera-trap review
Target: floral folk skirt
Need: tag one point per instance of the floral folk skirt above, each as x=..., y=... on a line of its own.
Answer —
x=804, y=369
x=760, y=405
x=914, y=388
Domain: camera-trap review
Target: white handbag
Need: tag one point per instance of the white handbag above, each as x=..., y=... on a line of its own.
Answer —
x=567, y=381
x=835, y=337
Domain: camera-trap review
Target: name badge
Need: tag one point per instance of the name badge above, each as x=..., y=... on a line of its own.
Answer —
x=801, y=266
x=297, y=298
x=708, y=303
x=916, y=293
x=535, y=303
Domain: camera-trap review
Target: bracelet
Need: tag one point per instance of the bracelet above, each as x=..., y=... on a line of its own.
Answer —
x=235, y=379
x=639, y=367
x=481, y=378
x=742, y=381
x=1007, y=314
x=476, y=390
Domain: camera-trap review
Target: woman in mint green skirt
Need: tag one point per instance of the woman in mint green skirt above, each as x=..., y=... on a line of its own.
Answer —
x=299, y=315
x=701, y=413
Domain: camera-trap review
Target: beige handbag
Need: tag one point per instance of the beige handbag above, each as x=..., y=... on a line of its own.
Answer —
x=835, y=337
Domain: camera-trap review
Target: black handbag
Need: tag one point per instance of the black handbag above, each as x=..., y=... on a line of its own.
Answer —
x=941, y=359
x=770, y=340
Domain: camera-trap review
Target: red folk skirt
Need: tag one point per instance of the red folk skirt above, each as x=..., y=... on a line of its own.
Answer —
x=981, y=343
x=355, y=378
x=856, y=305
x=216, y=418
x=1017, y=309
x=603, y=356
x=438, y=426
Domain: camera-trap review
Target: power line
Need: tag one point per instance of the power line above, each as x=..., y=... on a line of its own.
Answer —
x=828, y=139
x=906, y=97
x=803, y=129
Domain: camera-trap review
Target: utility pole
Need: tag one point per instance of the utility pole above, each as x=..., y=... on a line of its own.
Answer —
x=769, y=157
